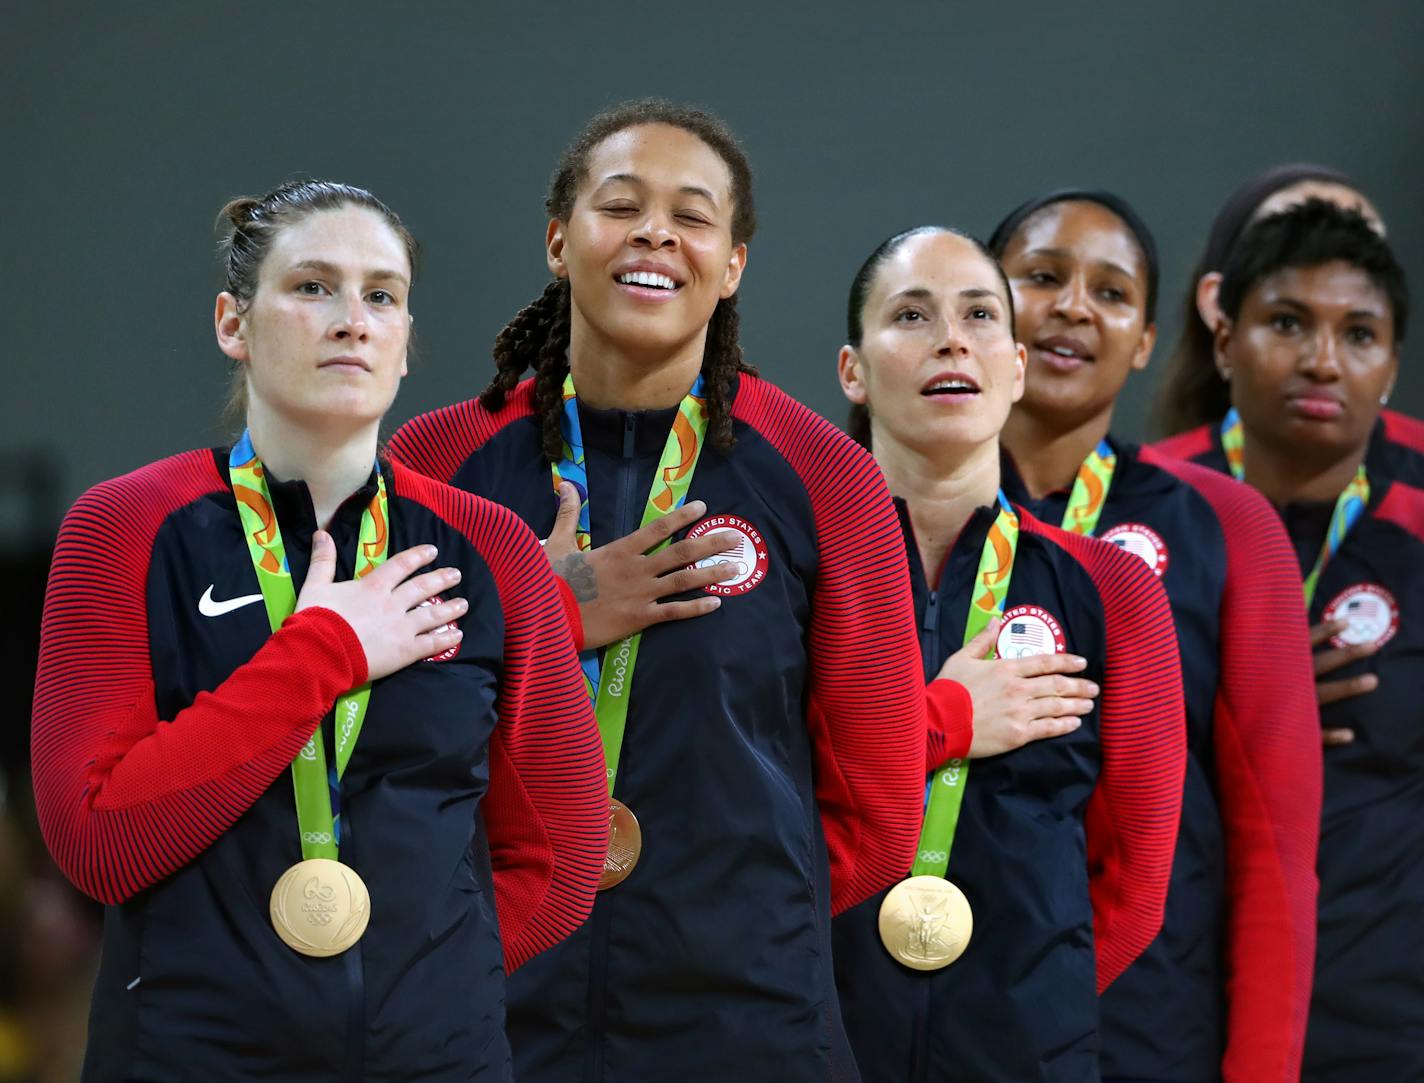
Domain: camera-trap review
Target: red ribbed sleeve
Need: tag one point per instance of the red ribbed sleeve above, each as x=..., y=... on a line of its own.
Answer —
x=1186, y=445
x=1132, y=817
x=1266, y=736
x=126, y=798
x=546, y=811
x=1403, y=430
x=866, y=701
x=949, y=711
x=438, y=443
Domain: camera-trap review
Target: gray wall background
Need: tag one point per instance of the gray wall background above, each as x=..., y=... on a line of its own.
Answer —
x=127, y=126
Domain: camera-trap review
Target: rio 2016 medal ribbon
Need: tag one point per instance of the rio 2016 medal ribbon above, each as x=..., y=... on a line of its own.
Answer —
x=926, y=921
x=625, y=844
x=1349, y=505
x=611, y=683
x=319, y=906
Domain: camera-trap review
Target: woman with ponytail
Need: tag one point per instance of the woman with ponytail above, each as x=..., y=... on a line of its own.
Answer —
x=765, y=766
x=301, y=764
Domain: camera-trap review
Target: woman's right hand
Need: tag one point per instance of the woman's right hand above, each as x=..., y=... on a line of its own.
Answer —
x=1328, y=661
x=1018, y=700
x=388, y=609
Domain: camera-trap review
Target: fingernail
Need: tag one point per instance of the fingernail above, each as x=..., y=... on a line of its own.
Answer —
x=457, y=633
x=1095, y=688
x=716, y=603
x=453, y=574
x=697, y=507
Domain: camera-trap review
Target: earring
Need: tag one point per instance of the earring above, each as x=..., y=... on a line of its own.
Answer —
x=1384, y=399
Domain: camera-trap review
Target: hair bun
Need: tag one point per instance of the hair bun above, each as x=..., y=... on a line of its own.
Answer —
x=239, y=212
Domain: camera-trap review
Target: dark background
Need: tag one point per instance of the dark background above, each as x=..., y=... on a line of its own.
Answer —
x=125, y=127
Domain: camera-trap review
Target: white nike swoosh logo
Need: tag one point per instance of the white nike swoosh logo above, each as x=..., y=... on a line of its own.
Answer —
x=209, y=608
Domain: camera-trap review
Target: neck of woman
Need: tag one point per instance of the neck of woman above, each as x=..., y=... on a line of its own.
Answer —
x=610, y=376
x=334, y=460
x=1286, y=475
x=1048, y=457
x=941, y=488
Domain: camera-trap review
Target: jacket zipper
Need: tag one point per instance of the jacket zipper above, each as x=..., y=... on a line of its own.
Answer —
x=920, y=1054
x=624, y=506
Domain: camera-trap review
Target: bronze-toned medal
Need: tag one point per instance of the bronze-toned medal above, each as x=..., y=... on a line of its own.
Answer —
x=925, y=922
x=625, y=844
x=320, y=907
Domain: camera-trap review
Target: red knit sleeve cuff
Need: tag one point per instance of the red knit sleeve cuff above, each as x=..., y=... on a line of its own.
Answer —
x=571, y=611
x=949, y=710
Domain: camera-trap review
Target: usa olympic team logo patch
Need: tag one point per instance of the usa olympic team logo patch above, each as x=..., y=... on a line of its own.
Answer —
x=749, y=559
x=1030, y=630
x=445, y=655
x=1140, y=540
x=1372, y=612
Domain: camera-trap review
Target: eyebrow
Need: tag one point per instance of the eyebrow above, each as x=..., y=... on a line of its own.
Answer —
x=1063, y=253
x=686, y=189
x=331, y=269
x=920, y=293
x=1301, y=306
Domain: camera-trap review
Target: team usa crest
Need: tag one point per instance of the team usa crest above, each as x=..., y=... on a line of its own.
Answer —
x=1141, y=540
x=750, y=557
x=1030, y=630
x=449, y=653
x=1371, y=611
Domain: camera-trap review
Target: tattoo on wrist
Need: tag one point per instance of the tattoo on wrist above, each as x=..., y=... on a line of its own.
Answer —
x=576, y=571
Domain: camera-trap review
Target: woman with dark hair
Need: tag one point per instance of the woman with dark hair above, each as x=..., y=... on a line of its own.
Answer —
x=1222, y=992
x=765, y=769
x=217, y=617
x=1041, y=872
x=1313, y=308
x=1191, y=393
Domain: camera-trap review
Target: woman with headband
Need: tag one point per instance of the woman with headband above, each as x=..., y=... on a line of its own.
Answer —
x=1194, y=399
x=1041, y=872
x=1222, y=992
x=766, y=760
x=299, y=763
x=1313, y=308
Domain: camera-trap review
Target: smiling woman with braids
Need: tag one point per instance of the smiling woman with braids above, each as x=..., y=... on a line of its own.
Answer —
x=766, y=769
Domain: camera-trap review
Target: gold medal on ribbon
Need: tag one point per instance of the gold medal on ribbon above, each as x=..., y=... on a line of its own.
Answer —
x=320, y=907
x=625, y=844
x=925, y=922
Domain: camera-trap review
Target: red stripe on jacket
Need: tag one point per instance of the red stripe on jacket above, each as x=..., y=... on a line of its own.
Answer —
x=438, y=443
x=546, y=811
x=1187, y=445
x=1266, y=737
x=866, y=692
x=1131, y=819
x=123, y=800
x=1403, y=429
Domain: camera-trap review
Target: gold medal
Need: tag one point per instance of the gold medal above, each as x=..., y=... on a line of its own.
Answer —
x=320, y=907
x=625, y=844
x=925, y=922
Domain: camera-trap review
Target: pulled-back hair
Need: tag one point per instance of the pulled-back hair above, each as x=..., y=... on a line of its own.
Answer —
x=858, y=419
x=538, y=336
x=1191, y=392
x=1312, y=234
x=247, y=227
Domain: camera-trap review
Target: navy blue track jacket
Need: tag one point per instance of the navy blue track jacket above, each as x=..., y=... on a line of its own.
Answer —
x=1367, y=1011
x=167, y=714
x=1064, y=846
x=1222, y=992
x=773, y=754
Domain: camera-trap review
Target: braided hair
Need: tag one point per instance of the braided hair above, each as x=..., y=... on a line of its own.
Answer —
x=538, y=336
